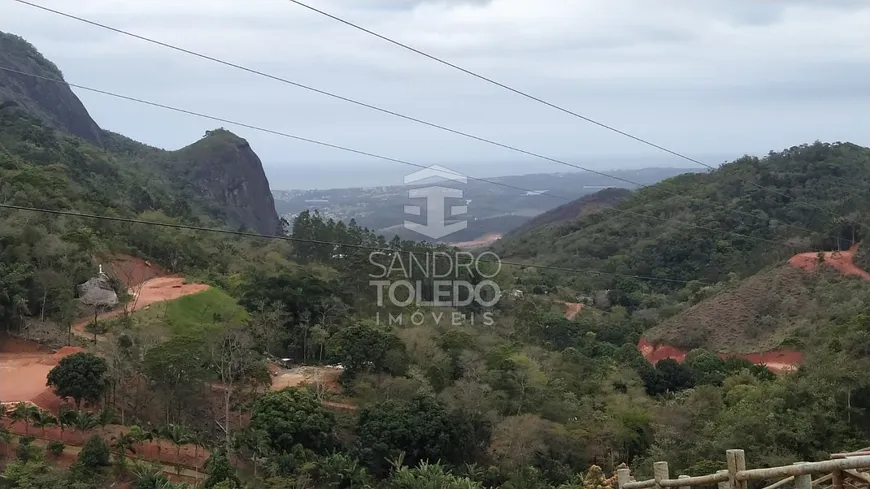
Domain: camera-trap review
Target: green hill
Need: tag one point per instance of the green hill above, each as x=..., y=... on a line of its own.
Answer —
x=218, y=177
x=53, y=156
x=589, y=204
x=706, y=226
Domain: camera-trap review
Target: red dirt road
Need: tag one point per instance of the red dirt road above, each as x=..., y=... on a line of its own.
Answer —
x=776, y=361
x=841, y=260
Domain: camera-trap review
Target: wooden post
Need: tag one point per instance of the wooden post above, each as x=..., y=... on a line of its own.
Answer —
x=736, y=462
x=722, y=485
x=624, y=475
x=683, y=477
x=803, y=481
x=660, y=473
x=837, y=479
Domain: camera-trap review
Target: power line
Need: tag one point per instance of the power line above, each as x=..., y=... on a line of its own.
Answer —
x=321, y=92
x=394, y=113
x=373, y=155
x=257, y=128
x=320, y=242
x=537, y=99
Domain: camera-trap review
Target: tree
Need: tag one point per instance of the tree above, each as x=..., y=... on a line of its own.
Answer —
x=81, y=376
x=292, y=416
x=219, y=469
x=85, y=421
x=422, y=429
x=23, y=412
x=6, y=440
x=66, y=418
x=123, y=443
x=179, y=435
x=42, y=419
x=95, y=454
x=675, y=376
x=517, y=439
x=234, y=361
x=176, y=368
x=706, y=367
x=367, y=347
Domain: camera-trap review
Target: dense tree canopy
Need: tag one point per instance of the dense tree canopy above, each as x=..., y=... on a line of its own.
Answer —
x=81, y=376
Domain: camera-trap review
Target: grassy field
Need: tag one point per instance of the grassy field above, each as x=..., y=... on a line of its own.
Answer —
x=190, y=315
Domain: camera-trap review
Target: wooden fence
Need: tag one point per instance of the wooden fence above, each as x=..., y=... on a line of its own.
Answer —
x=840, y=472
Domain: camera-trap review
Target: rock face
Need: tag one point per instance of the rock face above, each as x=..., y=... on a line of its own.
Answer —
x=225, y=170
x=51, y=102
x=219, y=174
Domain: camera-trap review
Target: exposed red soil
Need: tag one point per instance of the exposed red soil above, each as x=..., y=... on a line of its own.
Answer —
x=189, y=456
x=311, y=375
x=776, y=361
x=572, y=309
x=157, y=289
x=485, y=240
x=131, y=270
x=29, y=369
x=840, y=260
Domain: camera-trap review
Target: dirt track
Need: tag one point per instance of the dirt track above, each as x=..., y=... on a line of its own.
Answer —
x=775, y=361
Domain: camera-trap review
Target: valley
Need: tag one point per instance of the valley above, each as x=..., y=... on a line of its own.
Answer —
x=496, y=205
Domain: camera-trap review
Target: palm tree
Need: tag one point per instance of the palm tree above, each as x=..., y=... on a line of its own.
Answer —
x=107, y=416
x=42, y=418
x=6, y=439
x=123, y=443
x=156, y=433
x=85, y=421
x=66, y=418
x=23, y=412
x=196, y=439
x=138, y=435
x=179, y=435
x=147, y=474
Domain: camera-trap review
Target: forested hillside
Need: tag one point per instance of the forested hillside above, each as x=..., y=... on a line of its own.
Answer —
x=590, y=204
x=218, y=177
x=747, y=214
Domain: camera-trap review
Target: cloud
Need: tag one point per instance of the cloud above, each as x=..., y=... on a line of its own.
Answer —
x=717, y=76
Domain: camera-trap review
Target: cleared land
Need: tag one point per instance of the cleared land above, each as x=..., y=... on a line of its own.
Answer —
x=752, y=315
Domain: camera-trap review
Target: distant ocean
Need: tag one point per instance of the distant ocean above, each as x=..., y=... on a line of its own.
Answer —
x=374, y=174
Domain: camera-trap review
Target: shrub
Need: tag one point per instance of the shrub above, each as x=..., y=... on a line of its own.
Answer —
x=94, y=454
x=26, y=451
x=55, y=448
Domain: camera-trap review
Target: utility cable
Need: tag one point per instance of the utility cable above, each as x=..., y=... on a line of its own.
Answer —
x=373, y=155
x=539, y=100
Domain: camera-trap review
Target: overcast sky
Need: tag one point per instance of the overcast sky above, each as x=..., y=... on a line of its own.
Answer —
x=707, y=78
